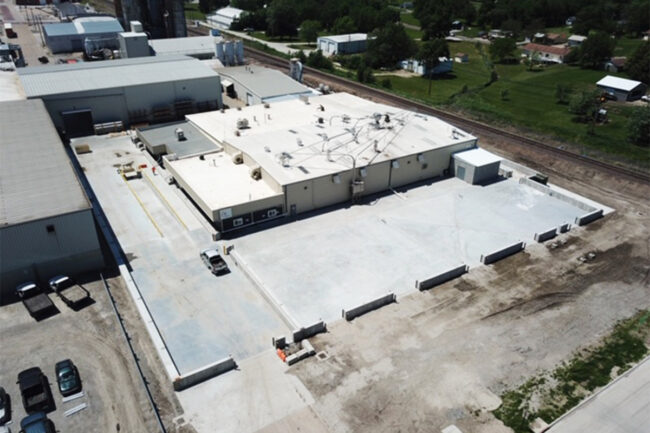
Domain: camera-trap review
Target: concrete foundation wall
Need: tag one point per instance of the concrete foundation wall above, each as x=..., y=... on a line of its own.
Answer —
x=486, y=259
x=546, y=235
x=309, y=331
x=441, y=278
x=359, y=310
x=204, y=373
x=590, y=217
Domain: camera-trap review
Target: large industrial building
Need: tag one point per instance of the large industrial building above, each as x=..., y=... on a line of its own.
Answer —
x=254, y=84
x=46, y=221
x=70, y=36
x=303, y=154
x=130, y=91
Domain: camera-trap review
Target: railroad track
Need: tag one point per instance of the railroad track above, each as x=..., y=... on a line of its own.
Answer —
x=469, y=125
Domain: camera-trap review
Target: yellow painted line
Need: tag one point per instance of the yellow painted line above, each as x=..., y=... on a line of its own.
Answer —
x=142, y=206
x=169, y=206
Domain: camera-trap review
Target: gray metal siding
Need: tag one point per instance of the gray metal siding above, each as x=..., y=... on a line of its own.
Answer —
x=106, y=106
x=29, y=251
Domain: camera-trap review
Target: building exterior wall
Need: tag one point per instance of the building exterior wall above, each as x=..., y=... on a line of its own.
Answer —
x=75, y=43
x=30, y=252
x=249, y=212
x=329, y=46
x=106, y=105
x=486, y=173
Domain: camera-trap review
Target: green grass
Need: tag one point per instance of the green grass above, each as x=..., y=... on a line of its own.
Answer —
x=408, y=18
x=414, y=34
x=626, y=47
x=571, y=382
x=192, y=12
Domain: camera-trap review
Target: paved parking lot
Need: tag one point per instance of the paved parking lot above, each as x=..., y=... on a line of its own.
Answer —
x=92, y=340
x=202, y=318
x=339, y=259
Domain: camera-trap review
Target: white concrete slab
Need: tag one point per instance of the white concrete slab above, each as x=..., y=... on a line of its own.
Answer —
x=318, y=265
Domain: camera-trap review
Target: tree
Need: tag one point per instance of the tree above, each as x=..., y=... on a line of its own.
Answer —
x=638, y=16
x=317, y=60
x=502, y=49
x=596, y=49
x=430, y=53
x=585, y=106
x=343, y=26
x=309, y=30
x=638, y=127
x=562, y=93
x=282, y=18
x=436, y=16
x=388, y=45
x=638, y=66
x=205, y=6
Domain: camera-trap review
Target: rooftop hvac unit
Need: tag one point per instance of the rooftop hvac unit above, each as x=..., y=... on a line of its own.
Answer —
x=180, y=134
x=238, y=158
x=357, y=186
x=256, y=172
x=242, y=123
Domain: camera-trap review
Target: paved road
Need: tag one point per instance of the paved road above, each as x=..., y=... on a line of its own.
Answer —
x=622, y=407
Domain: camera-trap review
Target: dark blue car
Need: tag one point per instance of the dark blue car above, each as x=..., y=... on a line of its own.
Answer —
x=37, y=423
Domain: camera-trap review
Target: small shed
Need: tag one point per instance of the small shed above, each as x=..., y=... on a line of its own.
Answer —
x=343, y=44
x=621, y=88
x=476, y=166
x=576, y=40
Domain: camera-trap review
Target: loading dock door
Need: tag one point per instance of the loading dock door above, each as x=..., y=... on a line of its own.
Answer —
x=78, y=123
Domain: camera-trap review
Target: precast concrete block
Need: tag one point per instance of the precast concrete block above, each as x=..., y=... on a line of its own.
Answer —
x=279, y=342
x=546, y=235
x=486, y=259
x=441, y=278
x=359, y=310
x=204, y=373
x=309, y=331
x=590, y=217
x=564, y=228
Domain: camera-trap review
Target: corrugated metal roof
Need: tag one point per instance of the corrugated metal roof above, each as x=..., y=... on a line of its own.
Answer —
x=264, y=82
x=86, y=26
x=618, y=83
x=185, y=46
x=36, y=176
x=81, y=77
x=352, y=37
x=59, y=29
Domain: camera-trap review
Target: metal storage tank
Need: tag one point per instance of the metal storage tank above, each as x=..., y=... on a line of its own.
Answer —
x=230, y=53
x=220, y=52
x=240, y=52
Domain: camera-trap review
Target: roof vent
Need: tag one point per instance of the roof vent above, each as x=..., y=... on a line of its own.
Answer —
x=180, y=134
x=242, y=123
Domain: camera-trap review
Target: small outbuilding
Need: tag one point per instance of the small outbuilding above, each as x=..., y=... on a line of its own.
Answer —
x=343, y=44
x=576, y=40
x=621, y=88
x=461, y=58
x=224, y=17
x=476, y=166
x=70, y=37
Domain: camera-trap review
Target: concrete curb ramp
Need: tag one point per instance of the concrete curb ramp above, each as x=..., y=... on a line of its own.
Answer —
x=546, y=235
x=204, y=373
x=359, y=310
x=590, y=217
x=486, y=259
x=441, y=278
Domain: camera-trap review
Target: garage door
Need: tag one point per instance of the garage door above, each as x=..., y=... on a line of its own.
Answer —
x=78, y=123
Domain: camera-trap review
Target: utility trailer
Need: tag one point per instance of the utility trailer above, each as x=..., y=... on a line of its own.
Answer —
x=35, y=300
x=70, y=292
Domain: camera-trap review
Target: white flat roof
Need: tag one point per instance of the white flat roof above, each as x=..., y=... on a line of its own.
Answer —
x=618, y=83
x=352, y=37
x=194, y=45
x=264, y=82
x=219, y=182
x=477, y=157
x=294, y=141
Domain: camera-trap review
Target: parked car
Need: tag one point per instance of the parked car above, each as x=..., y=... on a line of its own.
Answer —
x=37, y=423
x=35, y=391
x=213, y=261
x=5, y=407
x=67, y=377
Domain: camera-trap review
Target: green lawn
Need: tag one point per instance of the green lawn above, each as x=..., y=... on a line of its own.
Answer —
x=192, y=12
x=408, y=18
x=530, y=104
x=626, y=46
x=414, y=34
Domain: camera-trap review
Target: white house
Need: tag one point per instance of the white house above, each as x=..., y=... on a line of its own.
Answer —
x=223, y=18
x=545, y=53
x=418, y=67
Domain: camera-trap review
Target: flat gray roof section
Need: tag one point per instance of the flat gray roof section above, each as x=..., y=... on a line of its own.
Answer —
x=195, y=143
x=264, y=82
x=195, y=45
x=82, y=77
x=36, y=176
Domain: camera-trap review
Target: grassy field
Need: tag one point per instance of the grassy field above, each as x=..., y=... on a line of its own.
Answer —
x=551, y=394
x=192, y=12
x=408, y=18
x=414, y=34
x=527, y=100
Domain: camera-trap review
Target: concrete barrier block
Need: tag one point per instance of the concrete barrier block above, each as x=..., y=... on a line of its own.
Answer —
x=309, y=331
x=486, y=259
x=441, y=278
x=279, y=342
x=306, y=345
x=359, y=310
x=590, y=217
x=204, y=373
x=564, y=228
x=546, y=235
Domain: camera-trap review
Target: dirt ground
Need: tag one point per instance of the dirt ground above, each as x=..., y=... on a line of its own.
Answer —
x=443, y=357
x=92, y=339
